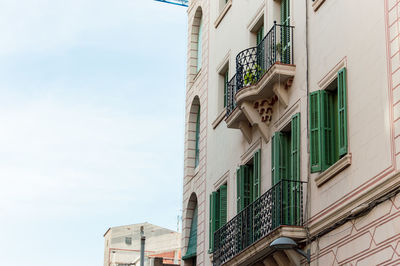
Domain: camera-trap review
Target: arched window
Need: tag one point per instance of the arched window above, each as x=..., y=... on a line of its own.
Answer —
x=193, y=134
x=196, y=42
x=197, y=149
x=191, y=216
x=199, y=45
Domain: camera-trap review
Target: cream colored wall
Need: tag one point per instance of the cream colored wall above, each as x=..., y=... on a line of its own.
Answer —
x=352, y=32
x=196, y=86
x=339, y=32
x=227, y=148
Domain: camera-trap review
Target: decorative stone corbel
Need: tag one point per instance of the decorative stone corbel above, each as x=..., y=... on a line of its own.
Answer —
x=246, y=130
x=255, y=119
x=281, y=90
x=264, y=108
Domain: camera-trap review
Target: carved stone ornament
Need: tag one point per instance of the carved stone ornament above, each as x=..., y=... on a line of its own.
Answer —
x=264, y=108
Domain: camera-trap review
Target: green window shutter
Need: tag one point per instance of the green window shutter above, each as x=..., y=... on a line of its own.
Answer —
x=192, y=245
x=327, y=130
x=199, y=45
x=197, y=136
x=226, y=80
x=247, y=177
x=295, y=148
x=216, y=210
x=342, y=112
x=223, y=205
x=211, y=224
x=315, y=131
x=285, y=31
x=257, y=175
x=273, y=172
x=260, y=35
x=238, y=191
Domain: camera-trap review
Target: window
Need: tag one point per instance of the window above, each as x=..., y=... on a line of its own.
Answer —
x=218, y=211
x=328, y=124
x=248, y=182
x=192, y=244
x=199, y=45
x=197, y=147
x=285, y=167
x=128, y=240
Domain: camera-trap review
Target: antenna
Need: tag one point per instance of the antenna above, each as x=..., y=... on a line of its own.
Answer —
x=175, y=2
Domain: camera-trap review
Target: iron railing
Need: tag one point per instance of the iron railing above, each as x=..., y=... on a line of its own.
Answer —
x=281, y=205
x=230, y=96
x=253, y=63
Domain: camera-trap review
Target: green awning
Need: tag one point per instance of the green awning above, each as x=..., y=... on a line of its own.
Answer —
x=192, y=246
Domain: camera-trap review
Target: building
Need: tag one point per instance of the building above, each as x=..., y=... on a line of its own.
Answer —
x=292, y=130
x=122, y=245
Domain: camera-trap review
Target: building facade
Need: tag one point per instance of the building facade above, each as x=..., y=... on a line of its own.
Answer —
x=122, y=245
x=292, y=130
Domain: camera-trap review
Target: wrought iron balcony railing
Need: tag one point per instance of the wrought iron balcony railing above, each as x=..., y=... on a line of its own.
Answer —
x=253, y=63
x=281, y=205
x=230, y=96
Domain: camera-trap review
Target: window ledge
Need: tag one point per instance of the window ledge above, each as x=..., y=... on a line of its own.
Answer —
x=223, y=13
x=333, y=170
x=219, y=118
x=317, y=4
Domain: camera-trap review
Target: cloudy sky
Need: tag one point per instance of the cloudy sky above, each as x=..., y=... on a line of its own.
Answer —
x=91, y=124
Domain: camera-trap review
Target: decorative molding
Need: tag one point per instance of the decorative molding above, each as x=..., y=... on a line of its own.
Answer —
x=317, y=4
x=284, y=119
x=252, y=26
x=223, y=13
x=219, y=118
x=333, y=170
x=332, y=74
x=223, y=66
x=223, y=179
x=245, y=157
x=264, y=108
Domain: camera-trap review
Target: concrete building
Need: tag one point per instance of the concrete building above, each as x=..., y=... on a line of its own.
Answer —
x=292, y=130
x=122, y=245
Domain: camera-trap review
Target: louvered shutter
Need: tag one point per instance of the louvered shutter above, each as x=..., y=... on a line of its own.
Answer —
x=223, y=205
x=238, y=190
x=192, y=245
x=315, y=131
x=295, y=148
x=285, y=31
x=327, y=130
x=257, y=175
x=342, y=112
x=211, y=224
x=294, y=196
x=246, y=188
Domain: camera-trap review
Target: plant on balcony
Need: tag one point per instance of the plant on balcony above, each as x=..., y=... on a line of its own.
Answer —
x=252, y=75
x=278, y=48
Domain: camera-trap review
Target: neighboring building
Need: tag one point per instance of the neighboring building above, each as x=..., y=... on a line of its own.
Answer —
x=122, y=245
x=292, y=129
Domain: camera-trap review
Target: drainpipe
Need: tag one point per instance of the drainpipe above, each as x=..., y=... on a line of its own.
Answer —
x=142, y=242
x=308, y=198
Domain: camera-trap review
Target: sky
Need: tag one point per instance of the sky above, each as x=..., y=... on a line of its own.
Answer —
x=92, y=98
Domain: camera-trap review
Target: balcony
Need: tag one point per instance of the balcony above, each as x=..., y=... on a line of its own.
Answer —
x=263, y=75
x=279, y=210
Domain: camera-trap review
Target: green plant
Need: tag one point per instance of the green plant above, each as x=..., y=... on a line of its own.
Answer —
x=252, y=75
x=278, y=47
